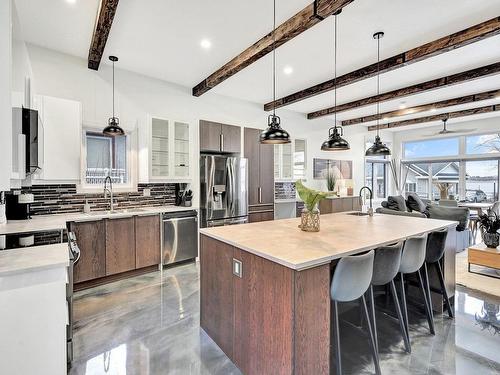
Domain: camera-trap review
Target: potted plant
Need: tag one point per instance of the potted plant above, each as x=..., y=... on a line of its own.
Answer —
x=331, y=180
x=489, y=224
x=310, y=214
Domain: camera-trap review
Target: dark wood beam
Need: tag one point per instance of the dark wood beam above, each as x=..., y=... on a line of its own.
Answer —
x=441, y=116
x=300, y=22
x=101, y=32
x=434, y=84
x=426, y=107
x=450, y=42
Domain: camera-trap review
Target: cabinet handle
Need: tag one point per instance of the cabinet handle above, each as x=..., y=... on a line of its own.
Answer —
x=222, y=142
x=260, y=194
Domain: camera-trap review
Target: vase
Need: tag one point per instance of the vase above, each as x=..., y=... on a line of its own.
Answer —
x=309, y=220
x=491, y=239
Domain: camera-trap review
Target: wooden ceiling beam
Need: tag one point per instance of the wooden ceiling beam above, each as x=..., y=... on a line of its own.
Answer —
x=102, y=27
x=441, y=116
x=426, y=107
x=434, y=84
x=450, y=42
x=300, y=22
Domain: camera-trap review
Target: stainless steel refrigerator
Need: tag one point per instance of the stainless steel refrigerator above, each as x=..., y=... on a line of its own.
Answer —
x=223, y=190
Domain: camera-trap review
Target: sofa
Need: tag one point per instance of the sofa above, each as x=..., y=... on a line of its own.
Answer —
x=415, y=206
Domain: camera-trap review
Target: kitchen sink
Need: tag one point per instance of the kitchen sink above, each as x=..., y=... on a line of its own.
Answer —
x=116, y=212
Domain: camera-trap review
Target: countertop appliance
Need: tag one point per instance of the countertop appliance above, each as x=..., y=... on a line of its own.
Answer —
x=74, y=256
x=17, y=206
x=223, y=190
x=179, y=236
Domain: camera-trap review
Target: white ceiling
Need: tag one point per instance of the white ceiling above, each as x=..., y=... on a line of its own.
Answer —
x=161, y=39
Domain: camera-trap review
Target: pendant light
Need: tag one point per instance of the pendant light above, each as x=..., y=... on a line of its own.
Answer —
x=113, y=129
x=378, y=148
x=335, y=142
x=274, y=134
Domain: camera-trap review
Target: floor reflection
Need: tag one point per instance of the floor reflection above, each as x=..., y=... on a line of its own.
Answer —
x=149, y=325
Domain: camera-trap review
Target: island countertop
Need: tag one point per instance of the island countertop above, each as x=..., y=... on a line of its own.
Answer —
x=341, y=234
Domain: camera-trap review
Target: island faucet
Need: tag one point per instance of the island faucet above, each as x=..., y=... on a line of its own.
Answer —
x=109, y=191
x=370, y=209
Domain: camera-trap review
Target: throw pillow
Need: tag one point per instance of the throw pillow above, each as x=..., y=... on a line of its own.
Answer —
x=459, y=214
x=415, y=203
x=396, y=203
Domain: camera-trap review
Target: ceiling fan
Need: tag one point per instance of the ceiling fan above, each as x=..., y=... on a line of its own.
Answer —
x=445, y=130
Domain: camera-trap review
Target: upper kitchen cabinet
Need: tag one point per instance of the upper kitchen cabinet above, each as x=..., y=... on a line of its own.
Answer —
x=217, y=137
x=290, y=160
x=60, y=138
x=170, y=153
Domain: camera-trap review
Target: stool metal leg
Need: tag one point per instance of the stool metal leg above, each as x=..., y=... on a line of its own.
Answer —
x=443, y=289
x=400, y=317
x=428, y=309
x=405, y=308
x=427, y=285
x=372, y=308
x=372, y=338
x=336, y=337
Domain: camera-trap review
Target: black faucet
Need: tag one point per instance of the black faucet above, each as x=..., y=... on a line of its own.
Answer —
x=370, y=211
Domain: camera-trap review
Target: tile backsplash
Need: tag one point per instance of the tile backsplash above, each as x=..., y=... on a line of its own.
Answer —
x=284, y=190
x=63, y=198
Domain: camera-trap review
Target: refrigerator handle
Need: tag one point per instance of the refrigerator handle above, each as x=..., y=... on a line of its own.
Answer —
x=221, y=142
x=260, y=194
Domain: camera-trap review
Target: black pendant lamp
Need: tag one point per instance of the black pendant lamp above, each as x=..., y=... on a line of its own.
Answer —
x=335, y=142
x=274, y=134
x=113, y=129
x=378, y=148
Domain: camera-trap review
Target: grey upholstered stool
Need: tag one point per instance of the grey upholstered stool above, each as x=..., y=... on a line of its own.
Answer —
x=351, y=280
x=412, y=260
x=385, y=268
x=436, y=242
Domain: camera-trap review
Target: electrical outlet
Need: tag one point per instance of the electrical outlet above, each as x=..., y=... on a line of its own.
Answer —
x=146, y=192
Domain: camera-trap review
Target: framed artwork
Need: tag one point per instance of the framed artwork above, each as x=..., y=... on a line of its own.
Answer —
x=322, y=166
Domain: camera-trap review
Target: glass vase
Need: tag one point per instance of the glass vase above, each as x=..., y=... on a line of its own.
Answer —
x=309, y=220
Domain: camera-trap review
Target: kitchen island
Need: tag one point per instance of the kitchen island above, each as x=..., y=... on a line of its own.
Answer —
x=265, y=287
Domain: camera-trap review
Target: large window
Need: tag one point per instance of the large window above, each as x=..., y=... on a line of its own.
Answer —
x=469, y=164
x=431, y=148
x=105, y=156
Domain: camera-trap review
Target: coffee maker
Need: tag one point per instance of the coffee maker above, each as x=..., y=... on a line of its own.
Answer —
x=183, y=195
x=17, y=206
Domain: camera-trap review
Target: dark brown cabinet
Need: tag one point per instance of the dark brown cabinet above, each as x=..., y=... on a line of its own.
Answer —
x=147, y=241
x=342, y=204
x=260, y=176
x=217, y=137
x=91, y=236
x=120, y=245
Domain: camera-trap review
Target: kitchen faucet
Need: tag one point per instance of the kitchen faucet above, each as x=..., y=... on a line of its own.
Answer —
x=370, y=209
x=109, y=191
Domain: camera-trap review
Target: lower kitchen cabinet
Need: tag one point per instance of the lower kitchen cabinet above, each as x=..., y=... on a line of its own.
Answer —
x=147, y=241
x=91, y=237
x=254, y=217
x=120, y=245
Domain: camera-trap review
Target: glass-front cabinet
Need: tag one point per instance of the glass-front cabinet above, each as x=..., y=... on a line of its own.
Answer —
x=169, y=149
x=290, y=160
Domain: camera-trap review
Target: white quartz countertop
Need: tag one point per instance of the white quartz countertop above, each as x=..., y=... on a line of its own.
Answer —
x=56, y=222
x=341, y=234
x=33, y=258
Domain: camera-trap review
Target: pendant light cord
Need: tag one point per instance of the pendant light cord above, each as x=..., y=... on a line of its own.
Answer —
x=274, y=58
x=113, y=89
x=378, y=84
x=335, y=68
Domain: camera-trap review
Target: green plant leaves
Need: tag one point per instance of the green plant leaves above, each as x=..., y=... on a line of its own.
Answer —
x=310, y=197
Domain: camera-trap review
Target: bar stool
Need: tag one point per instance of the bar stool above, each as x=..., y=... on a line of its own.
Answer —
x=351, y=280
x=412, y=260
x=385, y=268
x=436, y=242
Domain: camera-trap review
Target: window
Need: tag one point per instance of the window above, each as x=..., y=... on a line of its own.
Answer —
x=483, y=144
x=376, y=177
x=423, y=177
x=299, y=159
x=431, y=148
x=481, y=180
x=105, y=156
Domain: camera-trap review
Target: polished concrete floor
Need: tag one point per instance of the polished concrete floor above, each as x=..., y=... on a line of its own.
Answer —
x=150, y=325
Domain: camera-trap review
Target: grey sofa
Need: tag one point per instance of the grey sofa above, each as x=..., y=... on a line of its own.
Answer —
x=434, y=211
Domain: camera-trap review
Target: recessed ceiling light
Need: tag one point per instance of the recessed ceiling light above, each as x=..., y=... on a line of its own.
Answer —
x=385, y=119
x=433, y=109
x=497, y=97
x=402, y=105
x=71, y=1
x=288, y=70
x=205, y=43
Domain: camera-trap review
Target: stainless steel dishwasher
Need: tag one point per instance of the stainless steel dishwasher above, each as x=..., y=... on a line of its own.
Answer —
x=180, y=236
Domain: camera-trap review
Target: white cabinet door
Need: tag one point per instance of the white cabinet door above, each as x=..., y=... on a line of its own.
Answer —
x=283, y=161
x=61, y=121
x=181, y=149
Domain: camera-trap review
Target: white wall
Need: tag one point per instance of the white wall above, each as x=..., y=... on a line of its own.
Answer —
x=137, y=96
x=5, y=94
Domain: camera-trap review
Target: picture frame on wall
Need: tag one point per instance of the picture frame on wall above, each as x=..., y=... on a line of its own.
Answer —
x=322, y=166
